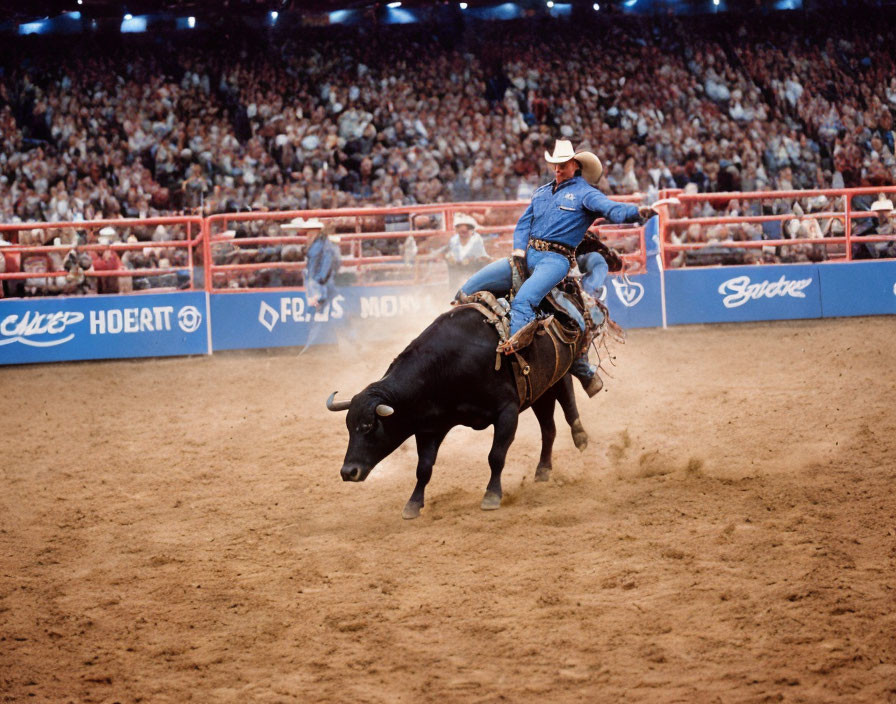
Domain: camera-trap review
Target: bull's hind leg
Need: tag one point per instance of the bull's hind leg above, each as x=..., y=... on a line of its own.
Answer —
x=544, y=411
x=567, y=398
x=505, y=430
x=427, y=450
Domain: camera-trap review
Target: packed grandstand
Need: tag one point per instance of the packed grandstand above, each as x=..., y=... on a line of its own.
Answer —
x=295, y=118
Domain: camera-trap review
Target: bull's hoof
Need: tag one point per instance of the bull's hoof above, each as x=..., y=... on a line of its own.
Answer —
x=579, y=436
x=491, y=501
x=542, y=473
x=411, y=510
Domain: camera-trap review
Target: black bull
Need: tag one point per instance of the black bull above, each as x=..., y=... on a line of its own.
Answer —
x=447, y=377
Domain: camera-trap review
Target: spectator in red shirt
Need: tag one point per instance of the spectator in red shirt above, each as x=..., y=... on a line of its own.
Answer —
x=106, y=260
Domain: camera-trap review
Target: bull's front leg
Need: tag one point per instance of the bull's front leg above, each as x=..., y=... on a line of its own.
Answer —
x=427, y=449
x=505, y=430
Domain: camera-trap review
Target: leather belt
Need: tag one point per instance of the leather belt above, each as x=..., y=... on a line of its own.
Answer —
x=545, y=246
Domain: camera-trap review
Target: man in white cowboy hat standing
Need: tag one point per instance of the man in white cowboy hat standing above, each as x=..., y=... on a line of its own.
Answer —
x=547, y=234
x=465, y=249
x=323, y=261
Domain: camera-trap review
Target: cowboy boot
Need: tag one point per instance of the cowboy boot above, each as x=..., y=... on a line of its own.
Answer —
x=524, y=336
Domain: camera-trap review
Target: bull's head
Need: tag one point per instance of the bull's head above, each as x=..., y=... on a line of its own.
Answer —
x=372, y=433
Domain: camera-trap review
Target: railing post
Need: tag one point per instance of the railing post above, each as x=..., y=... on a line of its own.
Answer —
x=205, y=231
x=847, y=226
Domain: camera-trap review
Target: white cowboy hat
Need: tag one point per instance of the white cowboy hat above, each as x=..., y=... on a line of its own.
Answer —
x=563, y=152
x=107, y=236
x=313, y=224
x=464, y=219
x=293, y=225
x=818, y=203
x=591, y=167
x=882, y=204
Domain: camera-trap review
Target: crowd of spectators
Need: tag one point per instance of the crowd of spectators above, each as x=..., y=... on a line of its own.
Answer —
x=137, y=126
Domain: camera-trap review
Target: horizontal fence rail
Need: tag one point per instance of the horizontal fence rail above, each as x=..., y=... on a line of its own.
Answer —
x=236, y=280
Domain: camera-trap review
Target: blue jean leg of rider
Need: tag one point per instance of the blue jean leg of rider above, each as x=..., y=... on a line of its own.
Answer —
x=495, y=278
x=571, y=310
x=546, y=270
x=594, y=273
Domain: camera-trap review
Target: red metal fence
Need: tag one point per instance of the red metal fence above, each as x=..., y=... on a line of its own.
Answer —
x=407, y=245
x=87, y=257
x=773, y=226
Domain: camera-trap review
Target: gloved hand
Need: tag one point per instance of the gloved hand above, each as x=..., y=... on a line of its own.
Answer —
x=614, y=261
x=645, y=212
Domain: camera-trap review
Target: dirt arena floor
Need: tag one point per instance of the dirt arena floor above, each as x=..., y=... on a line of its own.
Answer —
x=176, y=530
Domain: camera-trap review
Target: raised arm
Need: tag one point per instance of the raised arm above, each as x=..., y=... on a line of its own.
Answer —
x=612, y=210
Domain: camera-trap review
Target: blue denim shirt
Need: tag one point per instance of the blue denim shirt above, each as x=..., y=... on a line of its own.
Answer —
x=565, y=215
x=323, y=260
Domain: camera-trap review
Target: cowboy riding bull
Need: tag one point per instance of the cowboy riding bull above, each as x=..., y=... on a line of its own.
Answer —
x=451, y=375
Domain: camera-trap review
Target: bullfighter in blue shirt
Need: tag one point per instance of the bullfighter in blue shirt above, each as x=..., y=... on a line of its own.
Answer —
x=324, y=260
x=547, y=234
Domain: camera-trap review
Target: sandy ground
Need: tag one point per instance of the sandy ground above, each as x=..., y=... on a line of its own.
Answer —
x=176, y=530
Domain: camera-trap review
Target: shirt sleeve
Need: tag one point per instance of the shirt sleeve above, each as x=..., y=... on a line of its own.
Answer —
x=523, y=228
x=335, y=260
x=322, y=271
x=475, y=247
x=613, y=211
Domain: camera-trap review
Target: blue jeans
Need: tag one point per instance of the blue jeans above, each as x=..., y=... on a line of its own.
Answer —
x=546, y=270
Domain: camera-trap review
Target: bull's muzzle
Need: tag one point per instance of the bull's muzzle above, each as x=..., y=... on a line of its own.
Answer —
x=354, y=472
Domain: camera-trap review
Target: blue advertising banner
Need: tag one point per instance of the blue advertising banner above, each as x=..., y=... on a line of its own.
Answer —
x=859, y=288
x=636, y=302
x=284, y=319
x=102, y=327
x=742, y=293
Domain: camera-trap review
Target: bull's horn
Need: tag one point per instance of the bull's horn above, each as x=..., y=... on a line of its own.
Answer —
x=337, y=406
x=384, y=410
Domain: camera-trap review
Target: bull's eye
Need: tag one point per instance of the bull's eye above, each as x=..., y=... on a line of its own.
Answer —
x=365, y=427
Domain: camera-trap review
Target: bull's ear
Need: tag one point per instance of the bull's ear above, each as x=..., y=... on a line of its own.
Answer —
x=384, y=410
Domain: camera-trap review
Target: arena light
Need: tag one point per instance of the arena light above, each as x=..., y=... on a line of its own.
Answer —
x=340, y=16
x=463, y=6
x=596, y=7
x=715, y=2
x=80, y=2
x=393, y=5
x=274, y=15
x=550, y=3
x=191, y=22
x=38, y=27
x=132, y=24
